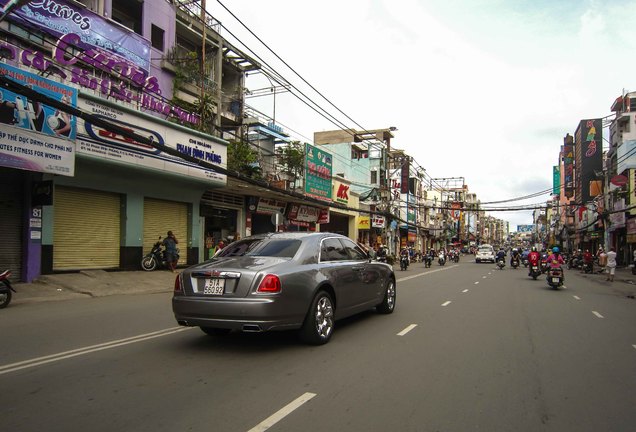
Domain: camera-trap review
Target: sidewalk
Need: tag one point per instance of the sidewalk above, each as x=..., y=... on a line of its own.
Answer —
x=92, y=283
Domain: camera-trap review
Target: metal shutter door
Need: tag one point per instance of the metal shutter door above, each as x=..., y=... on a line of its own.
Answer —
x=86, y=229
x=163, y=216
x=11, y=225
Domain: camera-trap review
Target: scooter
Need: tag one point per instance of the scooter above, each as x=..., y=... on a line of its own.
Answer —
x=156, y=257
x=544, y=264
x=404, y=262
x=428, y=260
x=441, y=260
x=588, y=268
x=515, y=263
x=501, y=264
x=5, y=289
x=535, y=272
x=555, y=277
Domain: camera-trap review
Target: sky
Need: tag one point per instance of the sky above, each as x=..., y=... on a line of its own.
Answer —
x=480, y=89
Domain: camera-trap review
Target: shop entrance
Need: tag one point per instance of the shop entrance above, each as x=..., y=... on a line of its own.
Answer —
x=220, y=224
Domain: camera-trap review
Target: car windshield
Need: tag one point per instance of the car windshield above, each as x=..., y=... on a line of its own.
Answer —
x=485, y=250
x=282, y=248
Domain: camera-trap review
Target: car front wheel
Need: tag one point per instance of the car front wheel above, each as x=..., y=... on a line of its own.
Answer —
x=319, y=322
x=388, y=303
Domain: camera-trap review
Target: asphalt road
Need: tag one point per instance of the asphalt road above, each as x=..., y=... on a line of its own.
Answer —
x=468, y=348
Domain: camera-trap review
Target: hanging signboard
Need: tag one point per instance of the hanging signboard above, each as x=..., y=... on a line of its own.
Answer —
x=318, y=170
x=96, y=141
x=34, y=136
x=98, y=35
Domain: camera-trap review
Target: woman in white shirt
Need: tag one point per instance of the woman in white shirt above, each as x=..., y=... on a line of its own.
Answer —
x=611, y=264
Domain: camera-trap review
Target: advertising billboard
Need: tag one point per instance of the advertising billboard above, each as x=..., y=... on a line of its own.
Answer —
x=318, y=170
x=589, y=156
x=34, y=136
x=568, y=166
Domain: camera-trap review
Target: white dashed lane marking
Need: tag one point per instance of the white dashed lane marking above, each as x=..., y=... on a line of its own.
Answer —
x=282, y=413
x=577, y=297
x=406, y=330
x=465, y=291
x=446, y=303
x=598, y=314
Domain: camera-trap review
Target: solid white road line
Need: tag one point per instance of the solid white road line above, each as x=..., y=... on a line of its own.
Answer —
x=406, y=330
x=447, y=303
x=87, y=350
x=577, y=297
x=282, y=413
x=598, y=314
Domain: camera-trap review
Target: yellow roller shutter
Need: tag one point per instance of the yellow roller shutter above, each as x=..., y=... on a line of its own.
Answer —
x=163, y=216
x=86, y=229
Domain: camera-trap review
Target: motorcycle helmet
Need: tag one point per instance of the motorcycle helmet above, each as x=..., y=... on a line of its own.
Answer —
x=555, y=249
x=534, y=249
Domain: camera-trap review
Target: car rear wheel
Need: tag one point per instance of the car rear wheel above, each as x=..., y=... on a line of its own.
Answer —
x=388, y=303
x=212, y=331
x=319, y=322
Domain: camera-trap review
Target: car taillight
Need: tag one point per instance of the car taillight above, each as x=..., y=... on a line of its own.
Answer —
x=270, y=284
x=178, y=288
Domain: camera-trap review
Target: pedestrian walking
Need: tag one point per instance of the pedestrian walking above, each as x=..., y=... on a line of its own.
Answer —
x=602, y=259
x=611, y=264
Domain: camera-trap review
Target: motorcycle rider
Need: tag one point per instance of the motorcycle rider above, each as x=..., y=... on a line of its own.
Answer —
x=515, y=256
x=404, y=253
x=555, y=260
x=533, y=259
x=501, y=255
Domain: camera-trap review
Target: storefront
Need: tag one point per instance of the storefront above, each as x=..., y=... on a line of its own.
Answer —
x=223, y=219
x=260, y=217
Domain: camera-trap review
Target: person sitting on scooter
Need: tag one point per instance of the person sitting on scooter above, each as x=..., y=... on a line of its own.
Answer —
x=501, y=255
x=555, y=260
x=515, y=256
x=533, y=260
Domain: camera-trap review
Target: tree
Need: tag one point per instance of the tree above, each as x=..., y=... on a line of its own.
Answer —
x=242, y=158
x=291, y=160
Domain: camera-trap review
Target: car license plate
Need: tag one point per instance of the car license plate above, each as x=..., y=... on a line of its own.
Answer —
x=214, y=286
x=555, y=280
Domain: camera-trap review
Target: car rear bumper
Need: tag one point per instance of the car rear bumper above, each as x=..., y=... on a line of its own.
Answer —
x=254, y=315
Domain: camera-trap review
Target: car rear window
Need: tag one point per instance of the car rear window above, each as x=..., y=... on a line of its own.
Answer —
x=282, y=248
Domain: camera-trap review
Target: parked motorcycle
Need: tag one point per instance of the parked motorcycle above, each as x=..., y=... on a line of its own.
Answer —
x=404, y=262
x=6, y=290
x=156, y=257
x=535, y=272
x=555, y=277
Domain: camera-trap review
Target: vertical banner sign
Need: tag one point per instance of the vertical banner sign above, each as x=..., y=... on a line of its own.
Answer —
x=318, y=169
x=568, y=166
x=556, y=180
x=591, y=154
x=404, y=175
